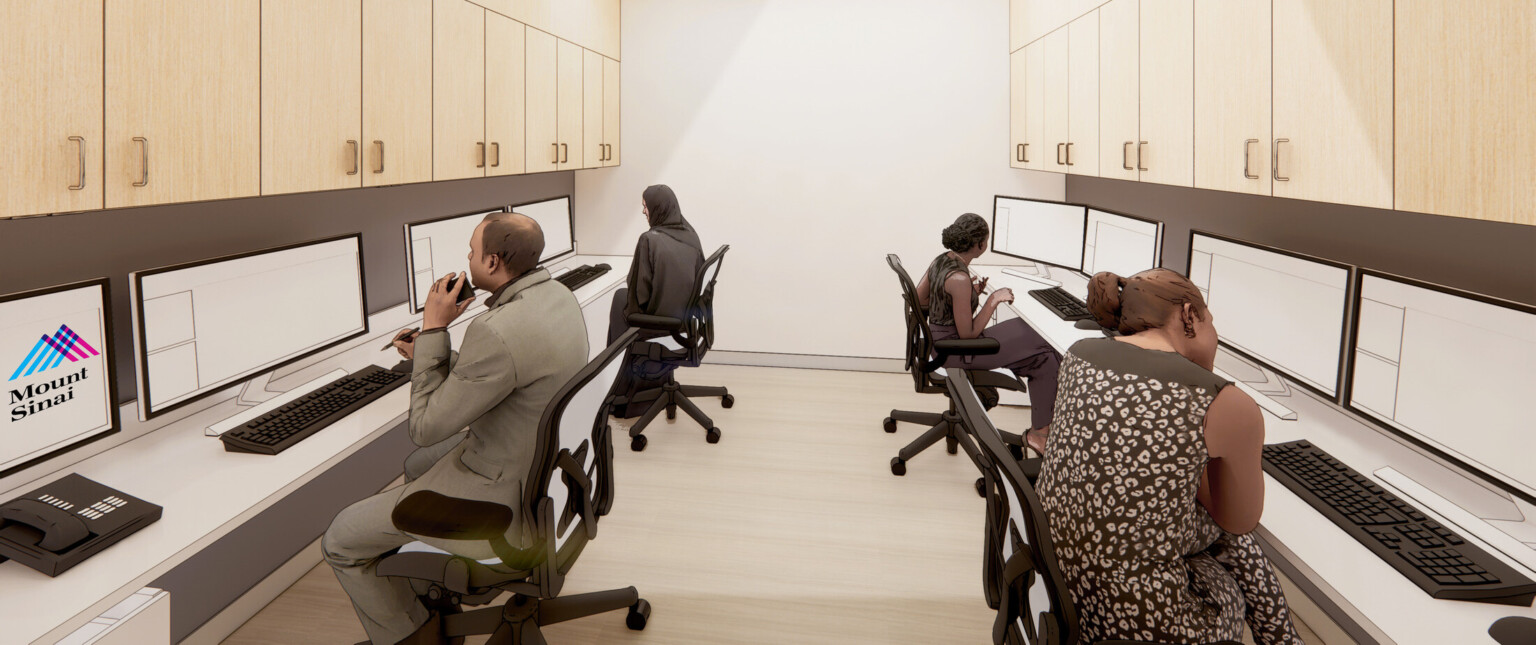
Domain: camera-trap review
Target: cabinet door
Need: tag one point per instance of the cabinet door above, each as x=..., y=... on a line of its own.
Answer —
x=1333, y=100
x=592, y=109
x=50, y=63
x=1016, y=28
x=458, y=90
x=605, y=28
x=1055, y=90
x=1232, y=97
x=1018, y=101
x=1465, y=95
x=1038, y=150
x=1168, y=105
x=397, y=114
x=543, y=136
x=184, y=78
x=505, y=43
x=1119, y=88
x=611, y=110
x=569, y=102
x=311, y=95
x=1083, y=99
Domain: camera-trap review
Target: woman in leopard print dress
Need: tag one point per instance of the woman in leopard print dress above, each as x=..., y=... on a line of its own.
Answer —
x=1152, y=480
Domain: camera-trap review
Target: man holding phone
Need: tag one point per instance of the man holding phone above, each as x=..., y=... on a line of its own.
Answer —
x=515, y=357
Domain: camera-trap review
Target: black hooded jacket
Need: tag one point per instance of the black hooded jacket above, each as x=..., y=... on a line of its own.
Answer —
x=667, y=259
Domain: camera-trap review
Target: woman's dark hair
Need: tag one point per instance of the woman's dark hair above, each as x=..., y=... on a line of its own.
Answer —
x=967, y=231
x=1143, y=301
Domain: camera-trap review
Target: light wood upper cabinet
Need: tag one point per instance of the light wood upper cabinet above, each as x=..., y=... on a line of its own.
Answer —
x=1465, y=99
x=51, y=69
x=543, y=136
x=505, y=45
x=611, y=111
x=1119, y=88
x=592, y=110
x=397, y=113
x=458, y=90
x=1333, y=101
x=311, y=95
x=1232, y=95
x=1168, y=102
x=1082, y=151
x=1038, y=150
x=570, y=91
x=1055, y=90
x=1016, y=27
x=182, y=100
x=1018, y=99
x=593, y=24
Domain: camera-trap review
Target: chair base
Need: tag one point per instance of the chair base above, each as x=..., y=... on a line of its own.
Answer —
x=671, y=396
x=518, y=621
x=948, y=427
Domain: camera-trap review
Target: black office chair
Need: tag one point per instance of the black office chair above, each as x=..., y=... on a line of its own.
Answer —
x=1036, y=606
x=686, y=345
x=568, y=488
x=926, y=380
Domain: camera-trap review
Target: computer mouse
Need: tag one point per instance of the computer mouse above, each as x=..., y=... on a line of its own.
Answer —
x=1514, y=630
x=1087, y=323
x=603, y=267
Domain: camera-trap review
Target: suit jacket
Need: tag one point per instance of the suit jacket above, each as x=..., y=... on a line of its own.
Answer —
x=514, y=359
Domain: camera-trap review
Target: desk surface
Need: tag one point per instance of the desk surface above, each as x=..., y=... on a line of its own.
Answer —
x=205, y=491
x=1382, y=603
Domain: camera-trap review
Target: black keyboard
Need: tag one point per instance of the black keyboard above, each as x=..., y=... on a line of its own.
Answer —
x=1065, y=305
x=581, y=275
x=275, y=431
x=1434, y=557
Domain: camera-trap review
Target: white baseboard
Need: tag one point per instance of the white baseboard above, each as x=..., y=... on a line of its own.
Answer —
x=806, y=361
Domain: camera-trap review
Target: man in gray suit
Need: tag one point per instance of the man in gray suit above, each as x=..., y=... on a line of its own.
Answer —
x=529, y=342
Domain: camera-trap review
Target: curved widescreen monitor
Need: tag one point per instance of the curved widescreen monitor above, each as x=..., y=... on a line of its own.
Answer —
x=437, y=247
x=1449, y=369
x=1121, y=244
x=1040, y=231
x=555, y=218
x=202, y=326
x=56, y=344
x=1283, y=309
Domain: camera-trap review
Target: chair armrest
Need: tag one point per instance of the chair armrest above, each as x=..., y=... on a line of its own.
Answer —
x=656, y=323
x=944, y=349
x=431, y=514
x=988, y=378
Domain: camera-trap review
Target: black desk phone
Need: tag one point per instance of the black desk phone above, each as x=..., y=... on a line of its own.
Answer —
x=61, y=524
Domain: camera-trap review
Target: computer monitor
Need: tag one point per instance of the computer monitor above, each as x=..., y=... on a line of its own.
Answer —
x=1122, y=244
x=1040, y=231
x=1285, y=310
x=1451, y=370
x=202, y=326
x=61, y=393
x=556, y=219
x=437, y=247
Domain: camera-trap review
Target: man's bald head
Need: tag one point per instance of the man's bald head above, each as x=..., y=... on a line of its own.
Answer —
x=514, y=238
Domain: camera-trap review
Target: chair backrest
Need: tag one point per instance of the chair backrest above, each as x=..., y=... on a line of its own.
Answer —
x=565, y=493
x=1036, y=605
x=919, y=337
x=700, y=325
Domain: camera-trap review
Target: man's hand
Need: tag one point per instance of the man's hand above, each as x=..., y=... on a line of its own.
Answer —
x=443, y=304
x=405, y=343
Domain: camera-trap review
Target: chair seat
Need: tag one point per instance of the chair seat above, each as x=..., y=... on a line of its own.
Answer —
x=423, y=547
x=666, y=341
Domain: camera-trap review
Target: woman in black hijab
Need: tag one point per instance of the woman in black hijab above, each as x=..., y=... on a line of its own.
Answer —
x=661, y=282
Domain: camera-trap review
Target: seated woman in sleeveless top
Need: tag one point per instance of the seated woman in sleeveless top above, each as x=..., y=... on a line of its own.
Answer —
x=1152, y=477
x=952, y=298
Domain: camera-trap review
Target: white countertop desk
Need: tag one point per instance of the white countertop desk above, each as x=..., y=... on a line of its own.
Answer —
x=207, y=492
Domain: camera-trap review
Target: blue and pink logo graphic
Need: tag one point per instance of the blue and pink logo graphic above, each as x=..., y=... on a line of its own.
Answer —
x=50, y=352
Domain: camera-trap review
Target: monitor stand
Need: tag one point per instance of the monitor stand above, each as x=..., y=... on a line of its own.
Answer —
x=258, y=400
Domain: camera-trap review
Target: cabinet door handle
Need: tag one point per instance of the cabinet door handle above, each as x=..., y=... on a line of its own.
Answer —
x=565, y=153
x=1139, y=146
x=1018, y=153
x=480, y=146
x=80, y=142
x=1247, y=155
x=1026, y=152
x=1275, y=162
x=353, y=155
x=556, y=146
x=380, y=144
x=143, y=162
x=1125, y=156
x=1059, y=147
x=496, y=147
x=1069, y=154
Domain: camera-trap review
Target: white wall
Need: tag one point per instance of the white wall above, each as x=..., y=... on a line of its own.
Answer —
x=814, y=137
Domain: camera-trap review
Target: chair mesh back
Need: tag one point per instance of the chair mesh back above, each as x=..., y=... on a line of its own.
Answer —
x=919, y=337
x=701, y=313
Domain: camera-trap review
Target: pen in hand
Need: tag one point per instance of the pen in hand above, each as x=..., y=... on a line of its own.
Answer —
x=404, y=335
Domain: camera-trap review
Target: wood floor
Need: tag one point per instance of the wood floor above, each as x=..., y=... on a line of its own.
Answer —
x=790, y=530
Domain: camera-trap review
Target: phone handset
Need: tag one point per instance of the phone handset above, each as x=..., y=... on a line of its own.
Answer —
x=60, y=528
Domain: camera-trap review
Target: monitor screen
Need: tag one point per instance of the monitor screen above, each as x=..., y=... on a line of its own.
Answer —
x=1049, y=232
x=435, y=248
x=1451, y=369
x=1282, y=309
x=202, y=326
x=1121, y=244
x=60, y=393
x=554, y=217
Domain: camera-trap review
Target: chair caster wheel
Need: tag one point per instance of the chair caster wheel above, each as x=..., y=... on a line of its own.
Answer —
x=952, y=446
x=898, y=467
x=727, y=401
x=638, y=615
x=712, y=435
x=637, y=442
x=889, y=424
x=981, y=486
x=671, y=413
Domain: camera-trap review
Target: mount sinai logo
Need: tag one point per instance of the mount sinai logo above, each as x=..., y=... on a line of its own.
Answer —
x=50, y=352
